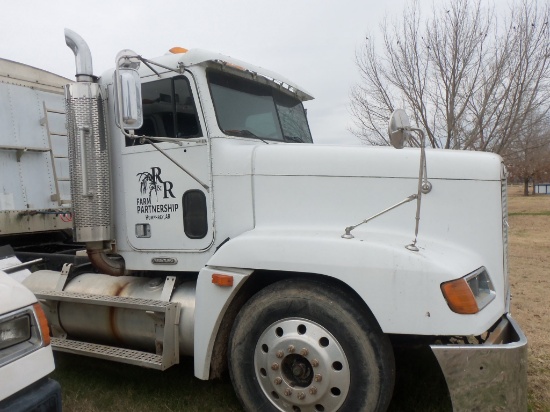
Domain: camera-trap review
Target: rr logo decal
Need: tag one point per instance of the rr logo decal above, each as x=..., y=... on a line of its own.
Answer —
x=151, y=182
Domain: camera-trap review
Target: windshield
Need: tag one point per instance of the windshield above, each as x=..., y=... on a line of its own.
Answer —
x=249, y=109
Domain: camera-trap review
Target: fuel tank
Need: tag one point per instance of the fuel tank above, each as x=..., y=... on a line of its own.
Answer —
x=117, y=326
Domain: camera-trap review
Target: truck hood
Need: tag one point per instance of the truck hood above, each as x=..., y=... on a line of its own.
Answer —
x=13, y=295
x=377, y=162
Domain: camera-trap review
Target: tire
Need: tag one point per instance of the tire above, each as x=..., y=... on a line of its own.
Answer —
x=303, y=345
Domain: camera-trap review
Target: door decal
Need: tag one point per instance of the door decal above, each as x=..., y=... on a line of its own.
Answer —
x=157, y=195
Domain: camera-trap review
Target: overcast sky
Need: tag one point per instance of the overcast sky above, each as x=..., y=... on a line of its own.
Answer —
x=312, y=43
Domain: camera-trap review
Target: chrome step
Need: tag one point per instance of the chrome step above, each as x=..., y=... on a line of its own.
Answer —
x=104, y=300
x=112, y=353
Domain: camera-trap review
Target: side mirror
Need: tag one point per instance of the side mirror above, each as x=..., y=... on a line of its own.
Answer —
x=399, y=121
x=128, y=92
x=129, y=87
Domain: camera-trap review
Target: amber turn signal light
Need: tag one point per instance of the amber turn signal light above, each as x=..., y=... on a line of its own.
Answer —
x=222, y=280
x=43, y=323
x=460, y=297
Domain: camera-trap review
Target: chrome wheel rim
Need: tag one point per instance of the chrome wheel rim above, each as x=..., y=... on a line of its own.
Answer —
x=301, y=367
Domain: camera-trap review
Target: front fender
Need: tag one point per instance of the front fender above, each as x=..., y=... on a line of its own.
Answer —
x=211, y=304
x=401, y=287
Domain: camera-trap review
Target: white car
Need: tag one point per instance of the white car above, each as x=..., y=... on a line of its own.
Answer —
x=26, y=357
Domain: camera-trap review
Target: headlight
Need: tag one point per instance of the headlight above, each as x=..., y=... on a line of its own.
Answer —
x=14, y=331
x=470, y=294
x=22, y=332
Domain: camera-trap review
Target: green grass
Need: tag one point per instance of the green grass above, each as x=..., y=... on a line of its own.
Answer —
x=96, y=385
x=544, y=213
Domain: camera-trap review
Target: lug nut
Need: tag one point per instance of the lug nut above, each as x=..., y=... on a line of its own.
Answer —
x=291, y=349
x=278, y=381
x=304, y=352
x=275, y=366
x=301, y=395
x=280, y=354
x=313, y=390
x=314, y=363
x=288, y=392
x=318, y=377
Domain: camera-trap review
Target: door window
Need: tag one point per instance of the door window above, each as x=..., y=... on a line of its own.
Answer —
x=168, y=110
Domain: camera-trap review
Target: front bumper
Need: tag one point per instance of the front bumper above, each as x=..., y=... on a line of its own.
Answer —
x=487, y=377
x=42, y=396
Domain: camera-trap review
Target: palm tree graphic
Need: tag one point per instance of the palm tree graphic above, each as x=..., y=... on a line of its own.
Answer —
x=148, y=184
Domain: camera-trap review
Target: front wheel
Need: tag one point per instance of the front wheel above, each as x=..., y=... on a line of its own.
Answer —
x=302, y=345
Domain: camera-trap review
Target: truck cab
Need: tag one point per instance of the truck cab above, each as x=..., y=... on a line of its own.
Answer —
x=178, y=196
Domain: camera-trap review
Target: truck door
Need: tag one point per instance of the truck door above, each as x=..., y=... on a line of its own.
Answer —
x=166, y=208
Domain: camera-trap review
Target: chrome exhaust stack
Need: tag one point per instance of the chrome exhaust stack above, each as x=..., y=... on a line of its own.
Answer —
x=82, y=55
x=89, y=164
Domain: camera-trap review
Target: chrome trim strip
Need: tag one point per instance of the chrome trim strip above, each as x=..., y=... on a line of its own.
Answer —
x=505, y=257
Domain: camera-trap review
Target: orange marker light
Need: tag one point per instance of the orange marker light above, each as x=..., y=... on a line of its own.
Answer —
x=43, y=323
x=235, y=66
x=178, y=50
x=459, y=297
x=222, y=280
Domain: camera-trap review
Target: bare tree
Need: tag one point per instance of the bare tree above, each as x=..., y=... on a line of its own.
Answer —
x=528, y=158
x=470, y=80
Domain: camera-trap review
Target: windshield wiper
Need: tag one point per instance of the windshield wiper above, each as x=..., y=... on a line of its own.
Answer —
x=244, y=133
x=294, y=139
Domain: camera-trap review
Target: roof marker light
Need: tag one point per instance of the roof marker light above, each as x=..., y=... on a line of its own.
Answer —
x=232, y=65
x=178, y=50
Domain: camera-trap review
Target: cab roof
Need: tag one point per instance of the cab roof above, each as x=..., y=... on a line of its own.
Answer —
x=196, y=57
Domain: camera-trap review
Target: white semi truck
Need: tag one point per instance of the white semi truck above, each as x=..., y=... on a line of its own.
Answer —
x=215, y=228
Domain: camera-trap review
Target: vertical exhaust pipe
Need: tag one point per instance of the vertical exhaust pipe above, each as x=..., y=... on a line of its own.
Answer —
x=82, y=56
x=89, y=164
